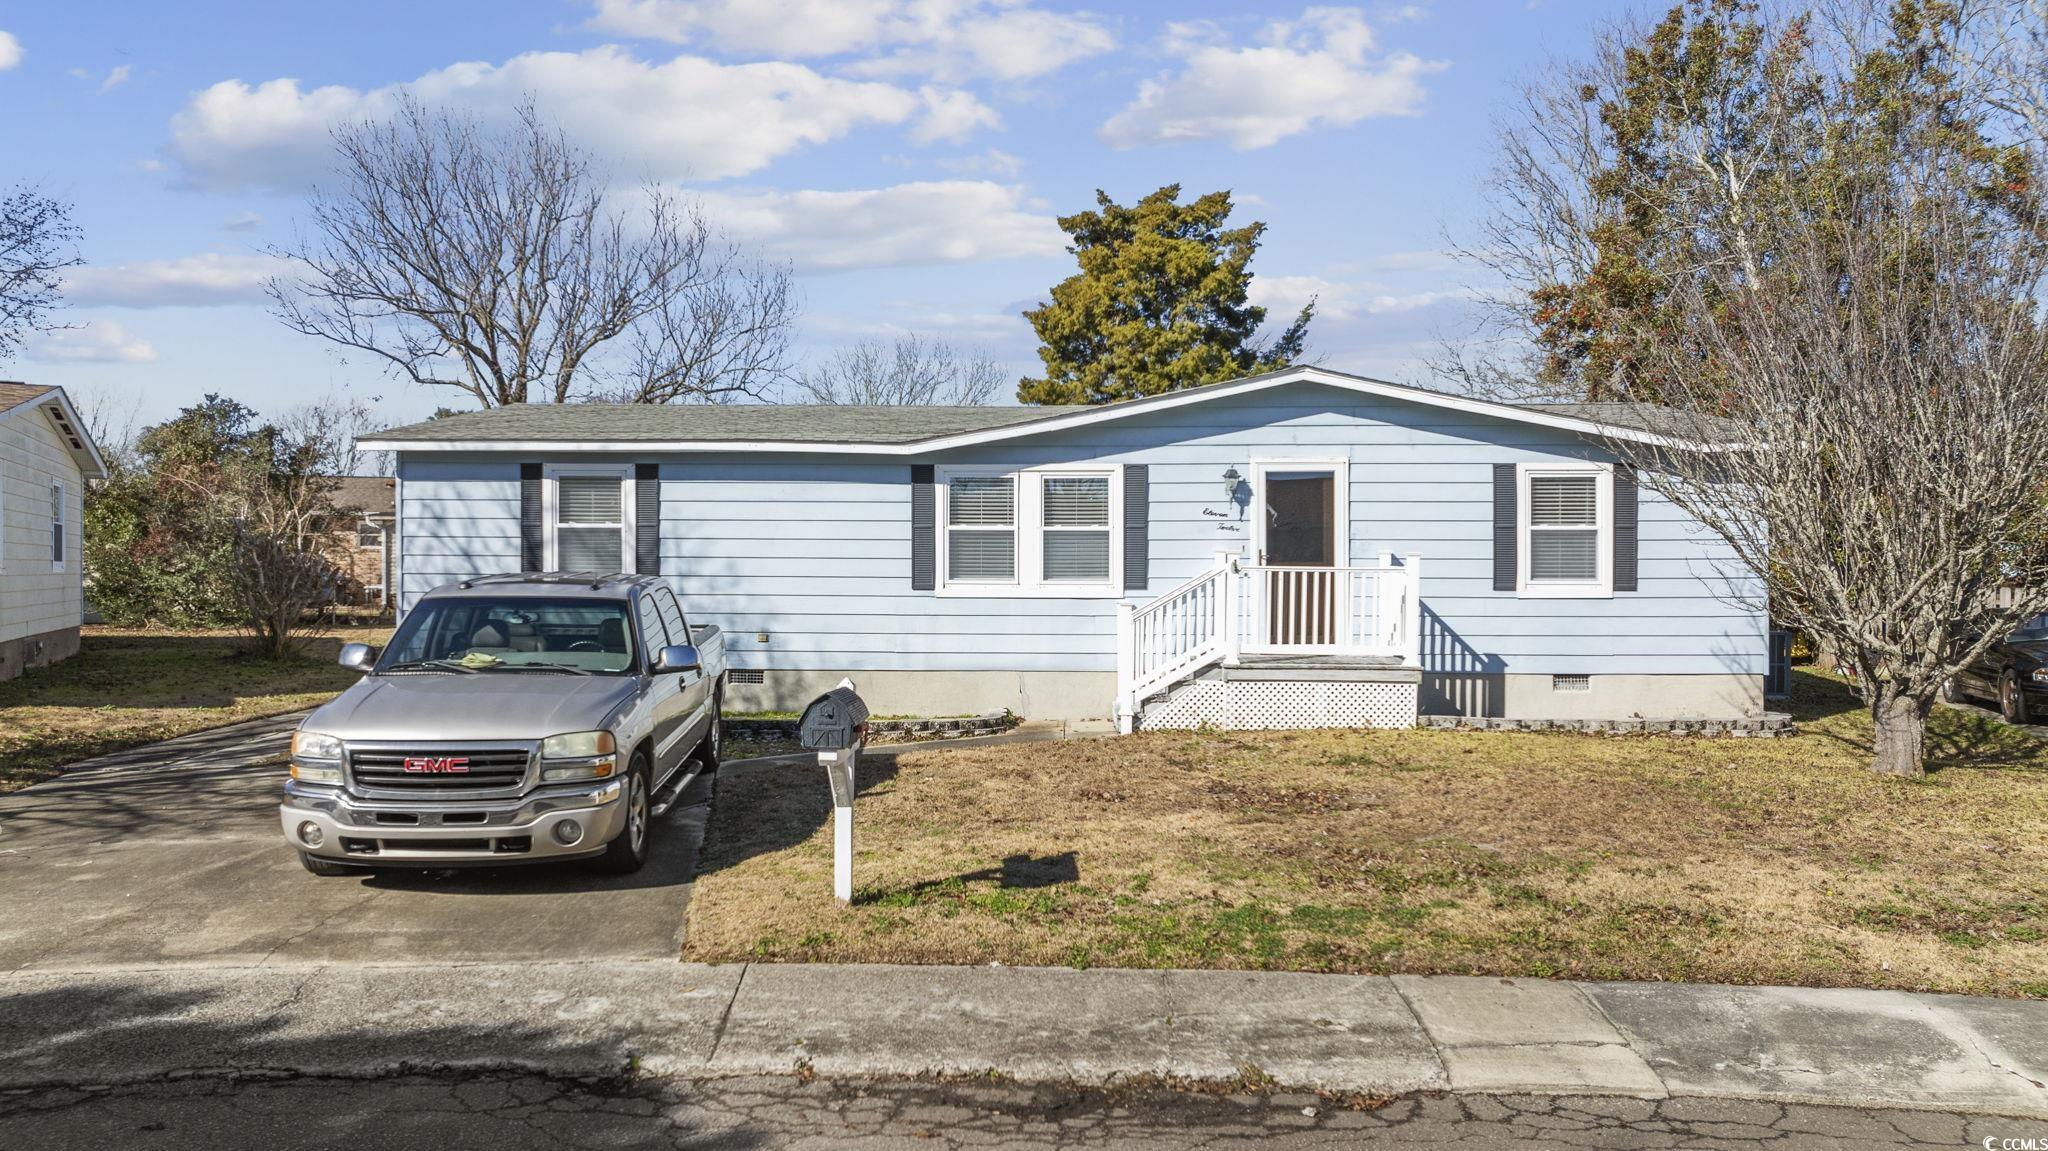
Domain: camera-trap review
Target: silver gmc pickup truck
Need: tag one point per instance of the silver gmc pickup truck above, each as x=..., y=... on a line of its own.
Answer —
x=512, y=719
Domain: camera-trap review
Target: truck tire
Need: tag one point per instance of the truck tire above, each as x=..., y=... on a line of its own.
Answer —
x=627, y=852
x=319, y=866
x=713, y=743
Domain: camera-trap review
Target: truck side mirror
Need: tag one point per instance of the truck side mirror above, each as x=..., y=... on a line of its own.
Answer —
x=679, y=657
x=358, y=656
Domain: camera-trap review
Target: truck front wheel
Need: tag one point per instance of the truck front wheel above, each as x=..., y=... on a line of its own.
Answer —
x=714, y=736
x=627, y=852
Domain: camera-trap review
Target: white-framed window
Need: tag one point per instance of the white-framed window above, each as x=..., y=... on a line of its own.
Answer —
x=369, y=535
x=56, y=525
x=1566, y=530
x=1052, y=531
x=589, y=516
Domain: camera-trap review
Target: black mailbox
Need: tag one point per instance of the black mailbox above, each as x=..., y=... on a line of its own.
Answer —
x=834, y=721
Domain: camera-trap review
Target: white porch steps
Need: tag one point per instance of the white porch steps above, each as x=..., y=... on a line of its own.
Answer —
x=1277, y=692
x=1242, y=647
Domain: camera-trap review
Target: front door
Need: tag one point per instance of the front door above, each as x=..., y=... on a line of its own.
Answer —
x=1299, y=543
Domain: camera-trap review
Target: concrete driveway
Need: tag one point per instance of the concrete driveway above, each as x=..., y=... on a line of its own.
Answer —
x=172, y=855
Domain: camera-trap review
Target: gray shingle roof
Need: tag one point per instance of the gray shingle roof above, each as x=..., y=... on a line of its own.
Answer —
x=1654, y=418
x=781, y=423
x=370, y=495
x=837, y=424
x=13, y=393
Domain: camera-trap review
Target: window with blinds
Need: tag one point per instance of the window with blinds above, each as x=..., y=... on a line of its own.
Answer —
x=590, y=524
x=1564, y=528
x=1075, y=519
x=981, y=529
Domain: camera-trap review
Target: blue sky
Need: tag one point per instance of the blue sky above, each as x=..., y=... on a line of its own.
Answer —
x=905, y=156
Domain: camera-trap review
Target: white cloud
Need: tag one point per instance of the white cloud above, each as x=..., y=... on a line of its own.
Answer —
x=116, y=76
x=1283, y=296
x=242, y=222
x=1007, y=40
x=688, y=117
x=929, y=222
x=1323, y=69
x=95, y=342
x=951, y=115
x=194, y=281
x=10, y=51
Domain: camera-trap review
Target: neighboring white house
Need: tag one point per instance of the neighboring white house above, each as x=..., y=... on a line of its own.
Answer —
x=46, y=457
x=1304, y=547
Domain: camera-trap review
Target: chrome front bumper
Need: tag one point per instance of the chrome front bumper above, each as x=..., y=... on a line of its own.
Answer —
x=449, y=833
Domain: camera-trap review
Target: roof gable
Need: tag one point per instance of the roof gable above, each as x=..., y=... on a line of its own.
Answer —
x=19, y=400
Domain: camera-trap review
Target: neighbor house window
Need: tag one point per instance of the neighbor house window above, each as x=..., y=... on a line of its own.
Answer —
x=1048, y=532
x=57, y=526
x=1567, y=530
x=592, y=522
x=369, y=535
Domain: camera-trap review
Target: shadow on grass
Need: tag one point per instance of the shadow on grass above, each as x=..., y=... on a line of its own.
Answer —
x=1957, y=738
x=1018, y=872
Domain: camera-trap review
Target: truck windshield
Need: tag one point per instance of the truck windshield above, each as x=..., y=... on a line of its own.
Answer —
x=2036, y=628
x=468, y=634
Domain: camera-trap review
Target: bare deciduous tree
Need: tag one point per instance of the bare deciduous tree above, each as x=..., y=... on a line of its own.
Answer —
x=36, y=238
x=499, y=264
x=912, y=370
x=1850, y=292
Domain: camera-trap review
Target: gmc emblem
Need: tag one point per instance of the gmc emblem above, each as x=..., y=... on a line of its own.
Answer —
x=437, y=764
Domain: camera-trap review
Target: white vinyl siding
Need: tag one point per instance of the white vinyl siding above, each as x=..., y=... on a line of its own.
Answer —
x=38, y=476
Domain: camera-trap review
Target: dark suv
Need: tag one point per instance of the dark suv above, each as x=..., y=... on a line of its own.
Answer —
x=2013, y=672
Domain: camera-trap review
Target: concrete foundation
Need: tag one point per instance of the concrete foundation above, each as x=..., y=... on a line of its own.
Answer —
x=1031, y=694
x=18, y=655
x=1515, y=696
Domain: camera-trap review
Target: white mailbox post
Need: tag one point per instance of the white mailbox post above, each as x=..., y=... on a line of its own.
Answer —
x=835, y=725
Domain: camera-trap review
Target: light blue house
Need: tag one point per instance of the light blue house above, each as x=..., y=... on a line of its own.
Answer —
x=1299, y=548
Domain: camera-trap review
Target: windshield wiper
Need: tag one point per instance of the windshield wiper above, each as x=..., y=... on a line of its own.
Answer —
x=568, y=667
x=433, y=664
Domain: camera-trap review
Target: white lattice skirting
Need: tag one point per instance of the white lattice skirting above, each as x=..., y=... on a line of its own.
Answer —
x=1260, y=705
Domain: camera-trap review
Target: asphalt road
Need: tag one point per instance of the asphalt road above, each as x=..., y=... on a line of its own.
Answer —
x=513, y=1113
x=172, y=855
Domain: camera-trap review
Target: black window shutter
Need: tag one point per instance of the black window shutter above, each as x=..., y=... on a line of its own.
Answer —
x=924, y=563
x=647, y=519
x=531, y=543
x=1506, y=495
x=1137, y=526
x=1625, y=502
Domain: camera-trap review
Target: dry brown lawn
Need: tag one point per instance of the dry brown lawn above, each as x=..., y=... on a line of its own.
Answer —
x=127, y=687
x=1737, y=861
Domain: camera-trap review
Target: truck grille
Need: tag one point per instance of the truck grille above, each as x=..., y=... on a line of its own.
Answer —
x=482, y=768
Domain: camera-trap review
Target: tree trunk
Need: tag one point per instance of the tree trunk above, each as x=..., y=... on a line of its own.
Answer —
x=1900, y=734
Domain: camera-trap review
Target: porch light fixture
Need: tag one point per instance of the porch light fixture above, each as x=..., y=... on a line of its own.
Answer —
x=1230, y=481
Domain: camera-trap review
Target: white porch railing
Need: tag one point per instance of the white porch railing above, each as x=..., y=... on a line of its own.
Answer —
x=1236, y=608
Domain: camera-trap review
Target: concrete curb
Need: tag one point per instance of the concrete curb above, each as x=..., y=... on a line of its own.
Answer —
x=1365, y=1034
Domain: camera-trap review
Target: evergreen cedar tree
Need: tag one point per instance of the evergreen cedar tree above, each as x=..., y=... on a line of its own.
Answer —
x=1707, y=74
x=1158, y=305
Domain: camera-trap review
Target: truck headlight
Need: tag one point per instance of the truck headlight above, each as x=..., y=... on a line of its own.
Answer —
x=308, y=745
x=578, y=755
x=2039, y=675
x=316, y=758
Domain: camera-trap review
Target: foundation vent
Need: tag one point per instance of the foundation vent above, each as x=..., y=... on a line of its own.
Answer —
x=746, y=675
x=1571, y=683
